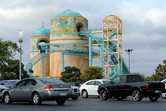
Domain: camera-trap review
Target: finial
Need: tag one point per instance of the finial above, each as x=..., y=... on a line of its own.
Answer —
x=42, y=24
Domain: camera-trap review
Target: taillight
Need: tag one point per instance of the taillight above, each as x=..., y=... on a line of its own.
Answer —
x=147, y=86
x=48, y=87
x=69, y=87
x=165, y=86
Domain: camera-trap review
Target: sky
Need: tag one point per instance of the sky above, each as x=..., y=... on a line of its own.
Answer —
x=144, y=26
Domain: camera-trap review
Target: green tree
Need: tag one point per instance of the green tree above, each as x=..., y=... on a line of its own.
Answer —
x=160, y=73
x=71, y=74
x=9, y=67
x=92, y=73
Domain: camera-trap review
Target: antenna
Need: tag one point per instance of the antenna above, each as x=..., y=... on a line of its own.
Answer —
x=43, y=24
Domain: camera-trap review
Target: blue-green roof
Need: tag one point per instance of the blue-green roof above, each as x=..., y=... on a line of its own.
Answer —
x=69, y=12
x=41, y=31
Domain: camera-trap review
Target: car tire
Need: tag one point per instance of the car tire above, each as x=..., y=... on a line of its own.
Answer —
x=137, y=95
x=163, y=95
x=103, y=94
x=74, y=98
x=36, y=100
x=154, y=97
x=7, y=99
x=60, y=101
x=84, y=94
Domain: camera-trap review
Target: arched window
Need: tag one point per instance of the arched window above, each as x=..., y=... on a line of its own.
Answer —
x=79, y=27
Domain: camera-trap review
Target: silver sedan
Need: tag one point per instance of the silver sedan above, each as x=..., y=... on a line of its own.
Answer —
x=36, y=90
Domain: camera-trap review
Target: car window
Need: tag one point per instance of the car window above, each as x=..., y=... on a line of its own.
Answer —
x=22, y=83
x=105, y=82
x=6, y=83
x=13, y=82
x=2, y=82
x=90, y=83
x=97, y=83
x=51, y=81
x=116, y=79
x=30, y=82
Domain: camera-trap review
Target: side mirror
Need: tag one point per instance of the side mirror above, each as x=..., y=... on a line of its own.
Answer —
x=112, y=82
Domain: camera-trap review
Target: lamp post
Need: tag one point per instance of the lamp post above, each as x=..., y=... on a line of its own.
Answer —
x=20, y=40
x=129, y=51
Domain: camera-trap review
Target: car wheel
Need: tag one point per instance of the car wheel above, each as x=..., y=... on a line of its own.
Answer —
x=7, y=99
x=137, y=95
x=60, y=101
x=163, y=95
x=103, y=94
x=74, y=98
x=154, y=97
x=84, y=94
x=36, y=100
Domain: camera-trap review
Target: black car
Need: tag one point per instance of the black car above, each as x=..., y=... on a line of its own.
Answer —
x=131, y=85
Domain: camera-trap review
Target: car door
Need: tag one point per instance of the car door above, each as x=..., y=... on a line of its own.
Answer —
x=90, y=87
x=95, y=88
x=17, y=93
x=114, y=84
x=28, y=88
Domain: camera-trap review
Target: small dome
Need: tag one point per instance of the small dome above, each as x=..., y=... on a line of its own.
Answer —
x=41, y=31
x=69, y=12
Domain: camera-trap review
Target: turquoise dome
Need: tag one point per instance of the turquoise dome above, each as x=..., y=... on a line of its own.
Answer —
x=69, y=12
x=41, y=31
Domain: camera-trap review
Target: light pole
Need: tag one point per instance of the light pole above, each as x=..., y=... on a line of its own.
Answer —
x=20, y=40
x=129, y=51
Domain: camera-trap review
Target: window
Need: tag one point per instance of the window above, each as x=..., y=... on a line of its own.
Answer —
x=97, y=83
x=30, y=82
x=22, y=83
x=6, y=83
x=116, y=79
x=90, y=83
x=105, y=82
x=79, y=27
x=51, y=81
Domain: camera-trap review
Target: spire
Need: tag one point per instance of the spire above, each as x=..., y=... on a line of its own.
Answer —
x=42, y=24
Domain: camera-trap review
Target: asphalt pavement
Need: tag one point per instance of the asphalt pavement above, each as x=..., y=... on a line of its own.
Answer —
x=89, y=104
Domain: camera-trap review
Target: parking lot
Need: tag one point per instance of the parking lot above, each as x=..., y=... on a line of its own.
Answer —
x=89, y=104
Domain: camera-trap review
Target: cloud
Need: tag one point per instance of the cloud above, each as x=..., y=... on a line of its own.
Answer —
x=143, y=24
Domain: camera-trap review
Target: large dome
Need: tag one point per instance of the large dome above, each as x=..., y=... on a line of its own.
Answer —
x=69, y=12
x=41, y=31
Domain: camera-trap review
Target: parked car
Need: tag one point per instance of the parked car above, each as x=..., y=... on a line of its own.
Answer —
x=36, y=90
x=6, y=84
x=131, y=85
x=90, y=87
x=75, y=90
x=163, y=95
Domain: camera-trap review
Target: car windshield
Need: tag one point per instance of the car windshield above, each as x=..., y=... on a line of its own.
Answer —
x=13, y=82
x=105, y=82
x=51, y=81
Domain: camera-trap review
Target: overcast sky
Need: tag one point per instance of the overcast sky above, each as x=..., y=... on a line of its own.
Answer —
x=144, y=26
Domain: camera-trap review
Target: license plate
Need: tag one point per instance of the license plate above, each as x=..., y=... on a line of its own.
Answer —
x=63, y=94
x=157, y=91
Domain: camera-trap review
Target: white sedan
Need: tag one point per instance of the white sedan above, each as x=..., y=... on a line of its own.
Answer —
x=90, y=87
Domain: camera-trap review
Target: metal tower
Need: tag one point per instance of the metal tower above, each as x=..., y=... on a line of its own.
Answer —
x=112, y=37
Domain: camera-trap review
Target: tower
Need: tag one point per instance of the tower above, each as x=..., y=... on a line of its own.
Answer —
x=39, y=36
x=64, y=29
